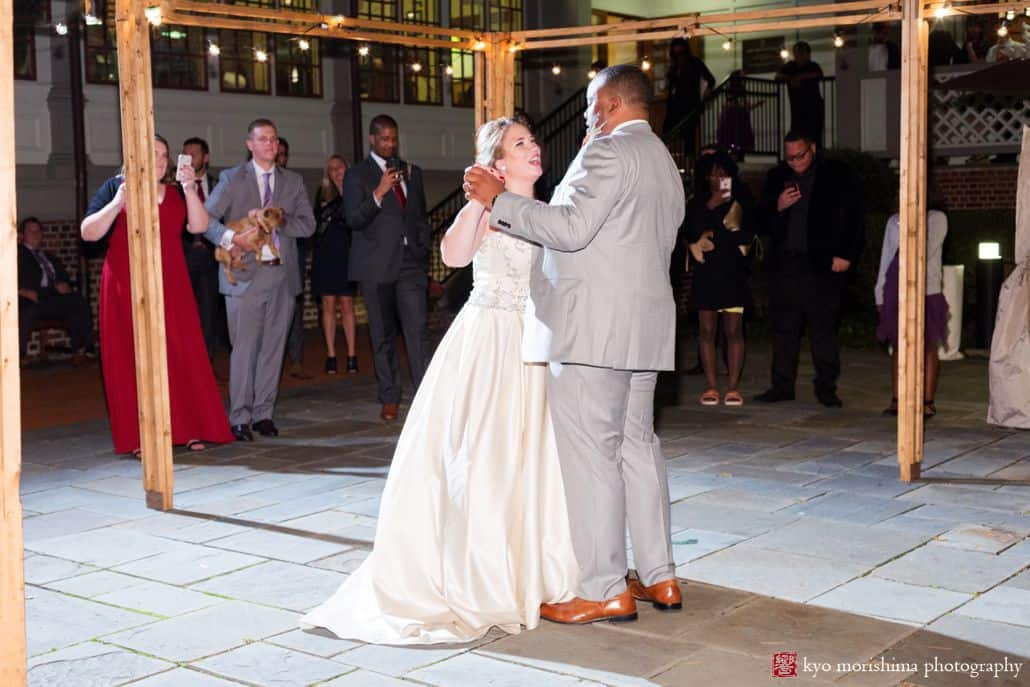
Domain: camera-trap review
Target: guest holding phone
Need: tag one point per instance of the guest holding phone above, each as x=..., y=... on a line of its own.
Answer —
x=197, y=414
x=719, y=235
x=812, y=208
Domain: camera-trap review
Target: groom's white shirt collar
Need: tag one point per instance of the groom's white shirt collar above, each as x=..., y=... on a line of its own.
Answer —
x=632, y=121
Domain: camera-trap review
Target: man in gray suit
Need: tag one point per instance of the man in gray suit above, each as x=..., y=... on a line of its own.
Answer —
x=260, y=306
x=385, y=205
x=602, y=315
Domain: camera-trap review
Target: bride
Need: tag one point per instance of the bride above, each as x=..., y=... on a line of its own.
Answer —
x=473, y=530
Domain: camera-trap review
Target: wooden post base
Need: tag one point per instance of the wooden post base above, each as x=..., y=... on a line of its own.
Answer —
x=910, y=472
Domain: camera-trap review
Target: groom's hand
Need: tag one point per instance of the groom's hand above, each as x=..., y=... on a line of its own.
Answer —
x=482, y=186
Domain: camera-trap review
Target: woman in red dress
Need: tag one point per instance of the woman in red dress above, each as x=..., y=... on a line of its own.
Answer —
x=198, y=414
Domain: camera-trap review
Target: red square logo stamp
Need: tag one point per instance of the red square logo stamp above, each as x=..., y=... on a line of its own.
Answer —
x=785, y=664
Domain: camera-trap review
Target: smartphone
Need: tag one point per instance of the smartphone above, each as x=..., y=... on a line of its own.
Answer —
x=793, y=185
x=396, y=164
x=183, y=161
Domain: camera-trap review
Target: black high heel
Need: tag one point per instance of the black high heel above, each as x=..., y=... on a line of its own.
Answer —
x=352, y=364
x=330, y=365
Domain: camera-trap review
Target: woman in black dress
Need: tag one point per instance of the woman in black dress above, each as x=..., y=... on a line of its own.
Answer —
x=719, y=234
x=329, y=265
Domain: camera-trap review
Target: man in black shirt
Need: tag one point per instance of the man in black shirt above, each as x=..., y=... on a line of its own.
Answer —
x=44, y=293
x=812, y=208
x=802, y=77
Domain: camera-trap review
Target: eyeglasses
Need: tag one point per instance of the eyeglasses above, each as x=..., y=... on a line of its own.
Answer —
x=800, y=156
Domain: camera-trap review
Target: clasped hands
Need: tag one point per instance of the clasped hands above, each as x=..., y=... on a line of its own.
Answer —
x=482, y=184
x=702, y=246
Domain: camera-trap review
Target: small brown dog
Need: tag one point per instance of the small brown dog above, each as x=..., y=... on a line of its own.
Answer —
x=265, y=222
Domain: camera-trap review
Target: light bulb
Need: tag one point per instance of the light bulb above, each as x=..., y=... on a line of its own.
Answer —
x=448, y=70
x=323, y=26
x=304, y=45
x=727, y=45
x=294, y=76
x=92, y=20
x=1003, y=31
x=153, y=15
x=261, y=56
x=213, y=50
x=514, y=47
x=591, y=74
x=838, y=41
x=363, y=50
x=645, y=65
x=1027, y=11
x=784, y=54
x=1010, y=15
x=61, y=28
x=479, y=45
x=556, y=70
x=416, y=67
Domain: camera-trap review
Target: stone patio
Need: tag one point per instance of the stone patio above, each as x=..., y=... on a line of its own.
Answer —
x=792, y=533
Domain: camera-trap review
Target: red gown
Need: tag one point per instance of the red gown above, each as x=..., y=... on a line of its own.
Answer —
x=196, y=405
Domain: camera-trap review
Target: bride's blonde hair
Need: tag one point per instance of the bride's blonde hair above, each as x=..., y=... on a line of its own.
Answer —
x=490, y=136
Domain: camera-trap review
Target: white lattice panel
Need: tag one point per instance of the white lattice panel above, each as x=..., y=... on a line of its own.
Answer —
x=973, y=122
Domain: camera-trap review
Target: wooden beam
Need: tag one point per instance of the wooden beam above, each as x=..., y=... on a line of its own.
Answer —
x=479, y=71
x=930, y=9
x=912, y=244
x=12, y=575
x=784, y=25
x=145, y=265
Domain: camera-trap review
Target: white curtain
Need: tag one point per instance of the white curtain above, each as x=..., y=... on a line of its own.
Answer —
x=1010, y=347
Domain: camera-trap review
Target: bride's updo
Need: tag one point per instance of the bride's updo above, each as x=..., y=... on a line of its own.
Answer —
x=490, y=136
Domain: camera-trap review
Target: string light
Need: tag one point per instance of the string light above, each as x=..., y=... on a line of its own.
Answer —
x=324, y=26
x=479, y=45
x=556, y=70
x=727, y=44
x=261, y=56
x=304, y=45
x=784, y=54
x=591, y=74
x=514, y=47
x=1010, y=15
x=448, y=70
x=645, y=65
x=363, y=50
x=1026, y=12
x=1003, y=31
x=153, y=15
x=92, y=20
x=213, y=50
x=61, y=29
x=294, y=76
x=838, y=41
x=416, y=67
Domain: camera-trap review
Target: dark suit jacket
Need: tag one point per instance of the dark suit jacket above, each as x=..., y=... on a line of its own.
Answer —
x=237, y=193
x=30, y=274
x=377, y=243
x=836, y=224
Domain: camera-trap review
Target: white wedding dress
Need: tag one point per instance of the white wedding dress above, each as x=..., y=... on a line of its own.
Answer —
x=473, y=529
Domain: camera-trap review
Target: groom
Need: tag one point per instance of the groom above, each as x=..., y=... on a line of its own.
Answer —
x=603, y=316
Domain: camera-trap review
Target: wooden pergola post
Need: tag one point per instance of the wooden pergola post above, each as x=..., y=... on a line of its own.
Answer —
x=148, y=321
x=481, y=63
x=912, y=243
x=12, y=574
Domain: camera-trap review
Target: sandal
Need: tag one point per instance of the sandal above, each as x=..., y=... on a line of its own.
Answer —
x=733, y=398
x=929, y=409
x=710, y=398
x=195, y=445
x=892, y=409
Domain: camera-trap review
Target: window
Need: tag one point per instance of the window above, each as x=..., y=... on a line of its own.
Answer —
x=178, y=57
x=468, y=14
x=101, y=49
x=298, y=72
x=421, y=11
x=423, y=80
x=27, y=14
x=505, y=15
x=463, y=82
x=378, y=75
x=242, y=70
x=383, y=10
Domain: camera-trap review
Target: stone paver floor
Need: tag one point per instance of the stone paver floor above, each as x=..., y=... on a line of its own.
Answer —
x=791, y=531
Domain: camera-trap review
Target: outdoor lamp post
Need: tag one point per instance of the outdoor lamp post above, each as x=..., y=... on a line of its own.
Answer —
x=988, y=284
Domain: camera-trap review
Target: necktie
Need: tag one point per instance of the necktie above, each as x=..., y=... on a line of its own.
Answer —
x=267, y=202
x=399, y=192
x=48, y=269
x=200, y=192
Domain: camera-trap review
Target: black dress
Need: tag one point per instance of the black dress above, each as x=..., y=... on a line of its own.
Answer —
x=723, y=280
x=331, y=251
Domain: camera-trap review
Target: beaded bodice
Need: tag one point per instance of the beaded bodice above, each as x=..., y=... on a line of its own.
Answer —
x=500, y=272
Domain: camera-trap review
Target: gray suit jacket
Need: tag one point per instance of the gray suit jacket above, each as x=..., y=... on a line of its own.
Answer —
x=600, y=292
x=237, y=193
x=377, y=241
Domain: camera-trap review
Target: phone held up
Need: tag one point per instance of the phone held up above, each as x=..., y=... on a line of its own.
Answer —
x=183, y=161
x=398, y=165
x=793, y=185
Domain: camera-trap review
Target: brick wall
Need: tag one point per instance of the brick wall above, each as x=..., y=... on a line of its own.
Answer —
x=62, y=239
x=977, y=187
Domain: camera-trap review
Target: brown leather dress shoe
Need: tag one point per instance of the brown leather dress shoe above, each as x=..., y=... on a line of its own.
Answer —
x=618, y=609
x=389, y=412
x=664, y=595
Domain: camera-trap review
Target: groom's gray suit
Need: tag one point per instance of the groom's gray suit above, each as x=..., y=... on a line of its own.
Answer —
x=602, y=313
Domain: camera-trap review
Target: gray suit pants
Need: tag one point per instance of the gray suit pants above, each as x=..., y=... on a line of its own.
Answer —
x=614, y=473
x=258, y=323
